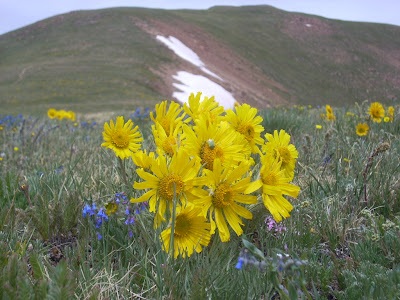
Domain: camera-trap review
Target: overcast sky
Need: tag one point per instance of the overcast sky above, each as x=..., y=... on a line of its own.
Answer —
x=18, y=13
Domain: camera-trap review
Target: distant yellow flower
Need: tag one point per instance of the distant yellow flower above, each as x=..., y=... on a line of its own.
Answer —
x=318, y=126
x=329, y=109
x=1, y=127
x=391, y=112
x=16, y=148
x=309, y=106
x=278, y=146
x=330, y=117
x=386, y=119
x=274, y=185
x=362, y=129
x=226, y=189
x=75, y=124
x=377, y=112
x=1, y=158
x=71, y=115
x=349, y=114
x=191, y=232
x=245, y=121
x=33, y=134
x=111, y=207
x=121, y=137
x=52, y=113
x=346, y=159
x=179, y=173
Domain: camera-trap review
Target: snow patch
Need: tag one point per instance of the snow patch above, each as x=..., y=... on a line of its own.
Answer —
x=186, y=53
x=308, y=25
x=191, y=83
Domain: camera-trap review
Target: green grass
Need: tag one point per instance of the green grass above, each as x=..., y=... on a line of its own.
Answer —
x=349, y=242
x=100, y=60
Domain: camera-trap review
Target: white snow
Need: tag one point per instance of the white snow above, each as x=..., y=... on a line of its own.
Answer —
x=191, y=83
x=185, y=52
x=308, y=25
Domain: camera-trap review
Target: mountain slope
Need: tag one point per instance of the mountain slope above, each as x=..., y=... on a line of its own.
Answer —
x=110, y=59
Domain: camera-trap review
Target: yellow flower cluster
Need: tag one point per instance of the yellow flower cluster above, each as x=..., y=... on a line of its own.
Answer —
x=61, y=114
x=199, y=179
x=330, y=116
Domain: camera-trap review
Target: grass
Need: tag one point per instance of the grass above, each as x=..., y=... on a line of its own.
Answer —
x=346, y=243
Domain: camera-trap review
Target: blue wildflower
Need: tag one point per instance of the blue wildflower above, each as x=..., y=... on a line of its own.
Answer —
x=87, y=210
x=239, y=265
x=99, y=236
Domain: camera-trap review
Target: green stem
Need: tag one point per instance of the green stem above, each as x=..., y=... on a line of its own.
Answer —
x=171, y=242
x=122, y=169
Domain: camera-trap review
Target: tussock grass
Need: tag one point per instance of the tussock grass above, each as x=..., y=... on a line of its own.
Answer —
x=349, y=239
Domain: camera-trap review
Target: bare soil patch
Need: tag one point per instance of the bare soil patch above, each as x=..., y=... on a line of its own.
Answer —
x=244, y=80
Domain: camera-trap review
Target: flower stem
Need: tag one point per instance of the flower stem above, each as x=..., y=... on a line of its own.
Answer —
x=122, y=169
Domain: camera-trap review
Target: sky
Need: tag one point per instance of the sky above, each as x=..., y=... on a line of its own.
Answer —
x=19, y=13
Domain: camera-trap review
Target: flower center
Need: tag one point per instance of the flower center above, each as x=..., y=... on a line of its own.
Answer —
x=209, y=153
x=361, y=130
x=182, y=225
x=222, y=196
x=270, y=179
x=375, y=113
x=284, y=154
x=120, y=139
x=167, y=145
x=247, y=130
x=166, y=186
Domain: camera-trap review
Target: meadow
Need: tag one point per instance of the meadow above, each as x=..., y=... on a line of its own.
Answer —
x=68, y=229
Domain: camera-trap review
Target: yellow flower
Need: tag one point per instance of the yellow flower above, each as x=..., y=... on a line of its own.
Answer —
x=330, y=117
x=1, y=127
x=179, y=173
x=143, y=160
x=111, y=207
x=167, y=144
x=33, y=134
x=1, y=158
x=386, y=119
x=52, y=113
x=329, y=109
x=226, y=188
x=71, y=115
x=61, y=114
x=390, y=110
x=168, y=119
x=247, y=123
x=376, y=111
x=121, y=137
x=318, y=126
x=191, y=232
x=362, y=129
x=16, y=149
x=346, y=160
x=75, y=124
x=278, y=146
x=208, y=141
x=207, y=107
x=274, y=185
x=349, y=114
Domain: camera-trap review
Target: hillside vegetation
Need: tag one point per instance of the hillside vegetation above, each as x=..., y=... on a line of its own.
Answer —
x=103, y=60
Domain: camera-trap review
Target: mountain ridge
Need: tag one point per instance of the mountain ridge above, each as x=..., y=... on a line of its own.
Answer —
x=99, y=59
